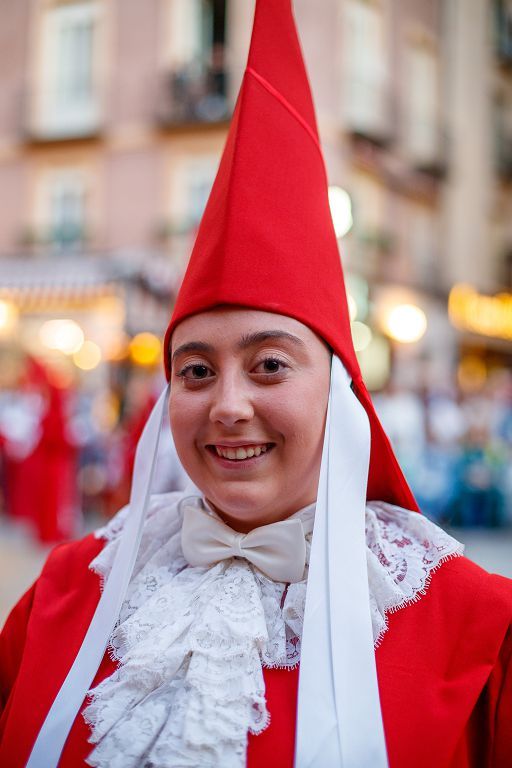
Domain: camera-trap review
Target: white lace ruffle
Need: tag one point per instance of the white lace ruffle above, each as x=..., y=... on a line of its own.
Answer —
x=191, y=642
x=404, y=550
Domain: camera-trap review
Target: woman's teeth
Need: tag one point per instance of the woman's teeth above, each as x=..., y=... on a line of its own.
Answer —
x=238, y=454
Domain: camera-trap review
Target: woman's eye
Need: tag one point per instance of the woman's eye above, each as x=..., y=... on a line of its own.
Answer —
x=195, y=372
x=271, y=365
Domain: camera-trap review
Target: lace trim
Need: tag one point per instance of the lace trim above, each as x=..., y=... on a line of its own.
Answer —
x=191, y=642
x=404, y=550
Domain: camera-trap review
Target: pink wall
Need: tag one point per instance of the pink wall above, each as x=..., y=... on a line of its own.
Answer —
x=133, y=61
x=131, y=197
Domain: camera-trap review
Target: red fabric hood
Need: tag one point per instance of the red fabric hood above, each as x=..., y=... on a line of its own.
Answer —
x=266, y=240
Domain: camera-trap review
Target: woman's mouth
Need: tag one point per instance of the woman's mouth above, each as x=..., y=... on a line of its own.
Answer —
x=236, y=453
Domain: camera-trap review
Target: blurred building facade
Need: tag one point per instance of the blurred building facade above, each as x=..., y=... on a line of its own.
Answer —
x=113, y=115
x=112, y=119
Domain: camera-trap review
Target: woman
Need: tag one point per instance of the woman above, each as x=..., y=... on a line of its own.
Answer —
x=292, y=548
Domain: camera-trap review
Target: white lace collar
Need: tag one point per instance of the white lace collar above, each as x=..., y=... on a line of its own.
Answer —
x=191, y=642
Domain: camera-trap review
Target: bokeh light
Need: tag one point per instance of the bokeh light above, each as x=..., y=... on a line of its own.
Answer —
x=88, y=356
x=8, y=316
x=406, y=323
x=64, y=336
x=145, y=349
x=352, y=307
x=341, y=210
x=361, y=335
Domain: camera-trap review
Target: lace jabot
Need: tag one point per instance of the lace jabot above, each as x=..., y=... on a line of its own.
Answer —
x=192, y=642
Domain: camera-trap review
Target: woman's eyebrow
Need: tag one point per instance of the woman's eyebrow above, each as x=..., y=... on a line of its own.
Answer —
x=192, y=346
x=249, y=339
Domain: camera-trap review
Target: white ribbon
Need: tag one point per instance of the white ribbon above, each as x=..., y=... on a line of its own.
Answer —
x=50, y=741
x=339, y=720
x=277, y=549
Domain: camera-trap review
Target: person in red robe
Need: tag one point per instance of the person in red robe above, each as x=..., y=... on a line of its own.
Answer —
x=290, y=606
x=41, y=470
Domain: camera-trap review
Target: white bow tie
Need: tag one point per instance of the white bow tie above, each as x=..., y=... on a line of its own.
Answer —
x=278, y=550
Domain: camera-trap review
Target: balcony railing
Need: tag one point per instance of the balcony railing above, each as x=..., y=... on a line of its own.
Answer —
x=193, y=94
x=63, y=238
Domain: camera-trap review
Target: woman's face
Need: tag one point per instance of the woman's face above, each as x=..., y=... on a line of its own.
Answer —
x=248, y=401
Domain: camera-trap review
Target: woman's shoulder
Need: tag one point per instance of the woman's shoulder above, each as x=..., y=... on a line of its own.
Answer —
x=461, y=621
x=461, y=581
x=68, y=559
x=448, y=600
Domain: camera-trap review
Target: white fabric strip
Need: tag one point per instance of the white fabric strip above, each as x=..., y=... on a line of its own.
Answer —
x=339, y=721
x=54, y=732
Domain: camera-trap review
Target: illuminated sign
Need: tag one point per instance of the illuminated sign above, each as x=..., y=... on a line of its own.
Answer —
x=486, y=315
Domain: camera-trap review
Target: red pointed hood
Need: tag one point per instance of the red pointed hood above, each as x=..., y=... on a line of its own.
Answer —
x=266, y=240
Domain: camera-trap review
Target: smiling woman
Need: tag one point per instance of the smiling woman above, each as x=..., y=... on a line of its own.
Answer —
x=247, y=406
x=290, y=606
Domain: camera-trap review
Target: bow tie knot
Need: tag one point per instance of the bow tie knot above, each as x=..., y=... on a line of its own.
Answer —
x=238, y=539
x=278, y=550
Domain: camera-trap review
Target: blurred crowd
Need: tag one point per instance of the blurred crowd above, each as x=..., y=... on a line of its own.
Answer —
x=66, y=455
x=455, y=448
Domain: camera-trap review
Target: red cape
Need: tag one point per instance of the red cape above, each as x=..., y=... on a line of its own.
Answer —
x=444, y=666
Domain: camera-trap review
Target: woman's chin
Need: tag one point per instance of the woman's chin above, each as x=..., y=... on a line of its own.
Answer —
x=243, y=508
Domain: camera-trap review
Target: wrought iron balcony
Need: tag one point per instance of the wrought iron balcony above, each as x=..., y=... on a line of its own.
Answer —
x=193, y=94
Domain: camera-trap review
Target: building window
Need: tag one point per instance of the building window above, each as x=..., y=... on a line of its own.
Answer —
x=366, y=86
x=62, y=209
x=69, y=103
x=195, y=87
x=188, y=26
x=422, y=126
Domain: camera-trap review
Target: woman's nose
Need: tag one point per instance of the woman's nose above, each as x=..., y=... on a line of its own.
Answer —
x=231, y=402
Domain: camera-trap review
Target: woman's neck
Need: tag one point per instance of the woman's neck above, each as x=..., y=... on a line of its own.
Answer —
x=241, y=525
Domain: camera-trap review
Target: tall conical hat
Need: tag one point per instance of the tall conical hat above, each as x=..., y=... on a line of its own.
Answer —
x=266, y=240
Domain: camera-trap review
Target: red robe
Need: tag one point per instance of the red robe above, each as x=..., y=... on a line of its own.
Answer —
x=42, y=486
x=444, y=667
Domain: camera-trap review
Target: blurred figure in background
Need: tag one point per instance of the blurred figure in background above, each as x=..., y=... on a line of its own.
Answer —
x=40, y=455
x=460, y=465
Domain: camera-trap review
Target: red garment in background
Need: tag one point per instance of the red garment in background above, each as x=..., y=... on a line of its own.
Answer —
x=42, y=486
x=444, y=667
x=56, y=516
